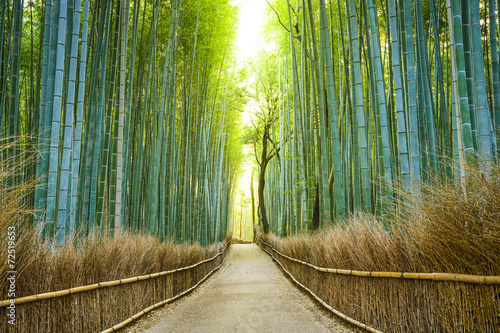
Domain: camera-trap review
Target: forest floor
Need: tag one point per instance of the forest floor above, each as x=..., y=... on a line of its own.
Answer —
x=248, y=294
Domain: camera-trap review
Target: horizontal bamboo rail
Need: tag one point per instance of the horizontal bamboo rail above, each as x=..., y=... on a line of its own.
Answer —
x=480, y=279
x=101, y=285
x=340, y=314
x=157, y=305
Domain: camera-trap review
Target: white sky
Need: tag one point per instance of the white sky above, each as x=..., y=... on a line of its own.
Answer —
x=252, y=13
x=252, y=16
x=249, y=39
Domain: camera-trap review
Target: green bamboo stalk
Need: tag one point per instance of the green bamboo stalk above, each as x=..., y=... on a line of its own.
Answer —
x=45, y=117
x=430, y=138
x=317, y=59
x=77, y=146
x=466, y=43
x=17, y=26
x=495, y=73
x=3, y=29
x=461, y=77
x=360, y=109
x=126, y=173
x=401, y=123
x=116, y=211
x=95, y=223
x=459, y=153
x=282, y=153
x=140, y=160
x=166, y=94
x=411, y=105
x=482, y=111
x=443, y=111
x=12, y=124
x=382, y=122
x=55, y=84
x=298, y=126
x=104, y=155
x=332, y=107
x=65, y=204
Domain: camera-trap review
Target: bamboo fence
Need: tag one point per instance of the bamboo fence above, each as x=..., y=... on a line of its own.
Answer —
x=400, y=302
x=95, y=307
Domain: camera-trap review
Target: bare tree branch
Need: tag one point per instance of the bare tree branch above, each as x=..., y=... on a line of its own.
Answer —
x=255, y=151
x=284, y=27
x=274, y=153
x=277, y=15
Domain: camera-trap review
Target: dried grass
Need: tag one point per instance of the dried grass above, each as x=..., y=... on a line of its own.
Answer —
x=43, y=269
x=443, y=230
x=14, y=195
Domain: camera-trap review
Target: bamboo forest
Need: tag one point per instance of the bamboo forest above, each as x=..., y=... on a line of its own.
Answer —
x=344, y=150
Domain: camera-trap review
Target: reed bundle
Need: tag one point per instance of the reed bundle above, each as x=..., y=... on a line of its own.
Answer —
x=160, y=271
x=397, y=304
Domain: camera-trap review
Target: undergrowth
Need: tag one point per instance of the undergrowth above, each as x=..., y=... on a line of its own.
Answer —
x=42, y=268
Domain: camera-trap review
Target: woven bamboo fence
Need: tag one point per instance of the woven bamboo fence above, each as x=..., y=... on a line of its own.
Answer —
x=400, y=302
x=105, y=306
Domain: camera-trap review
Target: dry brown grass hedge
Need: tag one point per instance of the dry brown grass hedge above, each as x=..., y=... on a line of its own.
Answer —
x=443, y=230
x=41, y=269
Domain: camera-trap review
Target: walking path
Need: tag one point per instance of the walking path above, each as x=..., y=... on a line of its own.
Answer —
x=249, y=294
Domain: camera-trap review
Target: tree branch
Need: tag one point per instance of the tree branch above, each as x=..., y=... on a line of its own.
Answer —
x=275, y=152
x=256, y=129
x=277, y=15
x=255, y=151
x=284, y=27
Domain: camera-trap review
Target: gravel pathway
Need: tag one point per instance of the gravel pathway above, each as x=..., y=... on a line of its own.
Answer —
x=248, y=294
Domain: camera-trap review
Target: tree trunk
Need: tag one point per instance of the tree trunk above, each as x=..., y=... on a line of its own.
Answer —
x=315, y=217
x=252, y=194
x=262, y=179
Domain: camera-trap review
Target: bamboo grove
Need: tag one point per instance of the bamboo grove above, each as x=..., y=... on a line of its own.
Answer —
x=374, y=98
x=132, y=108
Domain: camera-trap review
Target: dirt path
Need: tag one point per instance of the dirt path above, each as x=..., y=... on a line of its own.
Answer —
x=249, y=294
